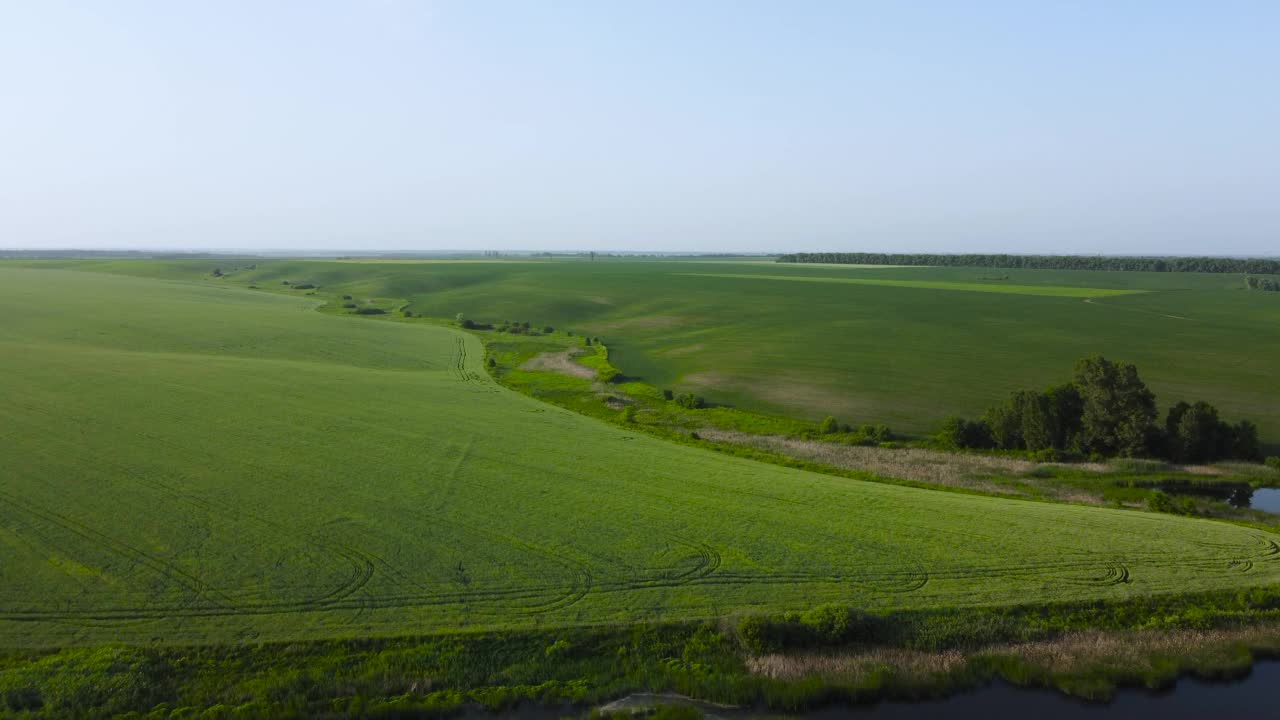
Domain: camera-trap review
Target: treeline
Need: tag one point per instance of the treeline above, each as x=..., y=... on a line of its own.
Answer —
x=1106, y=411
x=1267, y=284
x=1255, y=266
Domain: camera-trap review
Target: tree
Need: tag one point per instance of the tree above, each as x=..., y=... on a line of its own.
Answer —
x=1118, y=411
x=1066, y=408
x=629, y=413
x=1005, y=426
x=667, y=395
x=829, y=426
x=1199, y=433
x=1034, y=415
x=1245, y=444
x=966, y=434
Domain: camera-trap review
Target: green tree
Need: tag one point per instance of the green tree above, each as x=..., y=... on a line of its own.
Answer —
x=1066, y=407
x=1200, y=433
x=1118, y=411
x=829, y=426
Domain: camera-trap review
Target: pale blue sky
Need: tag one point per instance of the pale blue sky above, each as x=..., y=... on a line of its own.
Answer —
x=1030, y=126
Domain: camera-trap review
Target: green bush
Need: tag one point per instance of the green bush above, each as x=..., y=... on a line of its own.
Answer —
x=690, y=401
x=629, y=413
x=1273, y=462
x=370, y=311
x=558, y=649
x=348, y=305
x=668, y=395
x=304, y=286
x=829, y=623
x=829, y=426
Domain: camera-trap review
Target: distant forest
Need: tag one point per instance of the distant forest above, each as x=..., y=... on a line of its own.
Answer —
x=1253, y=266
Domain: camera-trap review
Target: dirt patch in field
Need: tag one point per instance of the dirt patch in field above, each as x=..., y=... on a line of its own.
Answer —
x=561, y=362
x=600, y=300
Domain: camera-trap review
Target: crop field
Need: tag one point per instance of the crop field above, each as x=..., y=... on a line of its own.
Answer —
x=902, y=346
x=196, y=461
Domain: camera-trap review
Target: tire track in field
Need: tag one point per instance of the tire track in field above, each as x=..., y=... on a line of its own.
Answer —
x=168, y=571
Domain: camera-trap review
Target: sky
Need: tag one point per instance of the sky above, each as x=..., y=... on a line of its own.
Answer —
x=1080, y=126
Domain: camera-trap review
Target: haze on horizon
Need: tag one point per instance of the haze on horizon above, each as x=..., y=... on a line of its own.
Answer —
x=1143, y=127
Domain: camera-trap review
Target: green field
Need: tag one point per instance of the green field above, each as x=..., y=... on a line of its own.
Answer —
x=195, y=461
x=902, y=346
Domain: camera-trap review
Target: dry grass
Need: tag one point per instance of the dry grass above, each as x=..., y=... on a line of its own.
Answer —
x=561, y=362
x=1129, y=652
x=927, y=466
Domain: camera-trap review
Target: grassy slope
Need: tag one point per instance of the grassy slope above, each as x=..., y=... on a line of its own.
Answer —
x=191, y=463
x=906, y=356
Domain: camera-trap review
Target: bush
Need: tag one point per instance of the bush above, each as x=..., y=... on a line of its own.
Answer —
x=829, y=623
x=548, y=330
x=493, y=363
x=690, y=401
x=346, y=297
x=304, y=286
x=468, y=324
x=829, y=426
x=348, y=305
x=558, y=649
x=1273, y=462
x=284, y=282
x=962, y=434
x=668, y=395
x=370, y=311
x=610, y=375
x=629, y=413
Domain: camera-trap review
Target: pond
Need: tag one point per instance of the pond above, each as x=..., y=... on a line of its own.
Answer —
x=1264, y=499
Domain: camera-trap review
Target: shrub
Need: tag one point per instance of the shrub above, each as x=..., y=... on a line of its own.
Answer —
x=284, y=282
x=346, y=297
x=629, y=413
x=668, y=395
x=348, y=305
x=408, y=313
x=609, y=375
x=695, y=436
x=829, y=623
x=558, y=649
x=586, y=341
x=1273, y=462
x=548, y=330
x=961, y=434
x=304, y=286
x=829, y=426
x=493, y=363
x=468, y=324
x=690, y=401
x=370, y=311
x=753, y=631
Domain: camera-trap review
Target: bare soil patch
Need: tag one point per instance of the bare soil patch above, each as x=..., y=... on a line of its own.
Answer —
x=561, y=362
